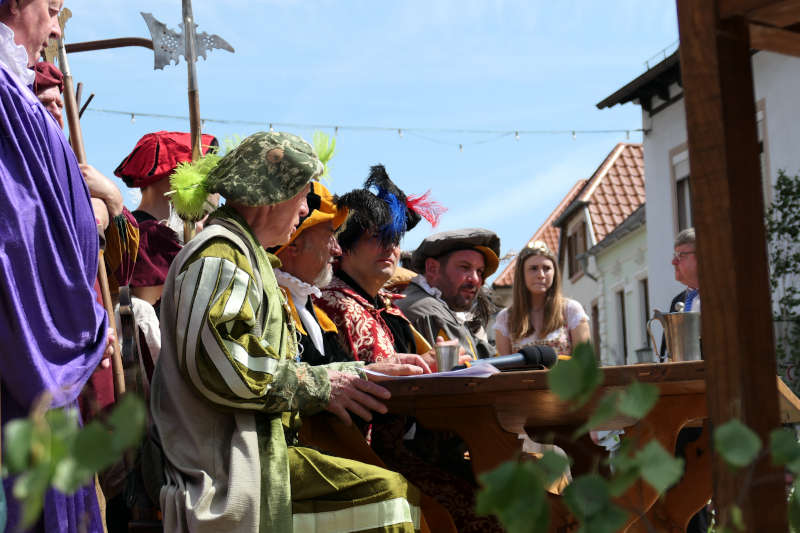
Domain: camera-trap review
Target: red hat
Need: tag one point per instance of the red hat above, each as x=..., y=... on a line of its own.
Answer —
x=157, y=154
x=47, y=75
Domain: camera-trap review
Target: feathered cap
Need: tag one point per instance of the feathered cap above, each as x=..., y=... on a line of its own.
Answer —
x=387, y=211
x=266, y=168
x=157, y=154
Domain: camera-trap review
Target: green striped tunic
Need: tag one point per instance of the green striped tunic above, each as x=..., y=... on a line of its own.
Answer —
x=225, y=377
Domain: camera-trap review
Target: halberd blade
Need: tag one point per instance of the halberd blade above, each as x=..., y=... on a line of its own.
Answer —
x=167, y=44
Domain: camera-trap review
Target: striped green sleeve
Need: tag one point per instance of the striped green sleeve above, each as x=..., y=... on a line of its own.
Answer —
x=220, y=349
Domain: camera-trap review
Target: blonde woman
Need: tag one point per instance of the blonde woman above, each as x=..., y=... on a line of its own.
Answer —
x=539, y=314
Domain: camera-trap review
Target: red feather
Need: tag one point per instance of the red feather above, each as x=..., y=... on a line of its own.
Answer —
x=428, y=209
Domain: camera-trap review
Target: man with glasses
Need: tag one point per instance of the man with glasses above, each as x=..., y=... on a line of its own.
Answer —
x=684, y=259
x=685, y=262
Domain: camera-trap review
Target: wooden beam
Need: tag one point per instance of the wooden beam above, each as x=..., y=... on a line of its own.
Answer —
x=779, y=13
x=774, y=40
x=728, y=212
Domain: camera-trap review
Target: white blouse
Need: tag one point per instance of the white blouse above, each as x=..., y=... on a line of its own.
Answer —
x=574, y=315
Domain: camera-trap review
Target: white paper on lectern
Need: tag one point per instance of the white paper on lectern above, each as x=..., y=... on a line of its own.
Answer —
x=475, y=371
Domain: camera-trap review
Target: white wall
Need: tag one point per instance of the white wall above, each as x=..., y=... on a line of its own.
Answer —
x=777, y=79
x=620, y=267
x=667, y=131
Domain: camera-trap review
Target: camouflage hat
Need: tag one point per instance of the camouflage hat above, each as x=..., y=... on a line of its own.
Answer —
x=265, y=169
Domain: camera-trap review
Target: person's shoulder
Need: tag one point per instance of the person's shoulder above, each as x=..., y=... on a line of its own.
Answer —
x=572, y=305
x=416, y=298
x=502, y=315
x=12, y=92
x=223, y=248
x=680, y=297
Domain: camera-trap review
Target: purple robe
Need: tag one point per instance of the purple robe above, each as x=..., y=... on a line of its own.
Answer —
x=52, y=330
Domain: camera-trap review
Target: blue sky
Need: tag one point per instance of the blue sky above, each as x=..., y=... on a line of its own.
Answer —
x=440, y=64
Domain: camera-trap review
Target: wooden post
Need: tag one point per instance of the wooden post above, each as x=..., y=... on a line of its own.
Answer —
x=728, y=214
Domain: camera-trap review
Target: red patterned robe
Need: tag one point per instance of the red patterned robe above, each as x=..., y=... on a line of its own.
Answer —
x=360, y=323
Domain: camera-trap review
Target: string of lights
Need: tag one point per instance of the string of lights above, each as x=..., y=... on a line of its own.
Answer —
x=422, y=133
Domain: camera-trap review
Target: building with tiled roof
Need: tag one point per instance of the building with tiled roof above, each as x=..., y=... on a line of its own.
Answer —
x=591, y=212
x=659, y=93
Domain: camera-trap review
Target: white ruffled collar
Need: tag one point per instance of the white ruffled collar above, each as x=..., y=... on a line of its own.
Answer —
x=423, y=284
x=14, y=57
x=298, y=287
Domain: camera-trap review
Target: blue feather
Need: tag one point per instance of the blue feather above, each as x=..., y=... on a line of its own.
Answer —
x=394, y=229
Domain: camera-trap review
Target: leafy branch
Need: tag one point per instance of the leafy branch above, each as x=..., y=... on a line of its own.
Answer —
x=516, y=491
x=49, y=448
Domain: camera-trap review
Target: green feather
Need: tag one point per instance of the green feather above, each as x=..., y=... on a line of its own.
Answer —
x=188, y=186
x=325, y=146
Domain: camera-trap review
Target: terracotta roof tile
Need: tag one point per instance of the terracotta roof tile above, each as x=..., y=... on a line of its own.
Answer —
x=616, y=189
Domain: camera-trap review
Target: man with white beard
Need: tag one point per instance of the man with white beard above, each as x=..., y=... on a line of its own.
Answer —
x=305, y=267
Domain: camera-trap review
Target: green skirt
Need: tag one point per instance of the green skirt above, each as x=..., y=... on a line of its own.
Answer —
x=333, y=494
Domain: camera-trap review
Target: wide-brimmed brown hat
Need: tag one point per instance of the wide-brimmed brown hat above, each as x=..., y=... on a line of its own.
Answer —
x=481, y=240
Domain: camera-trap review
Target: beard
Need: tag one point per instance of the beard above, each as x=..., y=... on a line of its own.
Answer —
x=457, y=302
x=324, y=277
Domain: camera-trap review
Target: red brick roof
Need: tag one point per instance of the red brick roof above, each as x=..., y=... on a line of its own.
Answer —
x=547, y=233
x=615, y=190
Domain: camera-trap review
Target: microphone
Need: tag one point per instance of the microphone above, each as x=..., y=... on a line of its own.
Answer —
x=528, y=356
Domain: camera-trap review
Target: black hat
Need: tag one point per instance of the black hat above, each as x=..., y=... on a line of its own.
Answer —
x=387, y=211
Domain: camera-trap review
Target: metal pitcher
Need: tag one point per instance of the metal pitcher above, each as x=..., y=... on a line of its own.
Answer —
x=682, y=332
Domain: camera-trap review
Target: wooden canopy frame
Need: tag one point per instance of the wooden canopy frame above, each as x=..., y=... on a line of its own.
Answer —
x=716, y=39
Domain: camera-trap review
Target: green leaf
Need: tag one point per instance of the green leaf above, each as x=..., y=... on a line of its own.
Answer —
x=515, y=494
x=736, y=443
x=587, y=495
x=29, y=489
x=608, y=520
x=63, y=422
x=737, y=518
x=17, y=443
x=553, y=465
x=576, y=379
x=785, y=449
x=92, y=448
x=638, y=399
x=564, y=380
x=128, y=422
x=622, y=480
x=70, y=475
x=605, y=410
x=794, y=507
x=658, y=467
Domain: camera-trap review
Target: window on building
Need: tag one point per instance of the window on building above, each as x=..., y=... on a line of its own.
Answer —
x=576, y=245
x=644, y=296
x=681, y=174
x=683, y=193
x=623, y=326
x=683, y=203
x=596, y=329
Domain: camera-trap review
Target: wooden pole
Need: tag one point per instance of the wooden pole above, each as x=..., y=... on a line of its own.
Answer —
x=728, y=212
x=76, y=138
x=195, y=123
